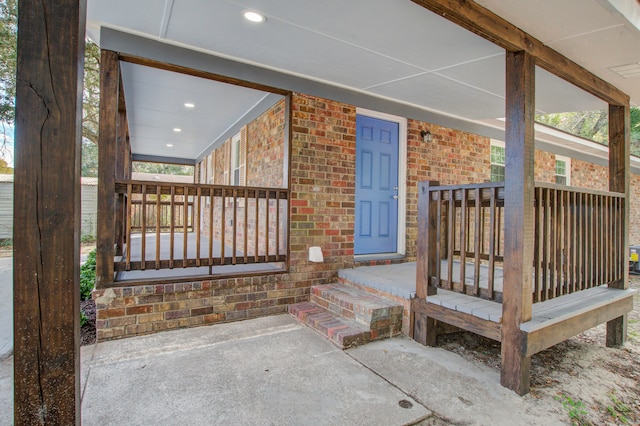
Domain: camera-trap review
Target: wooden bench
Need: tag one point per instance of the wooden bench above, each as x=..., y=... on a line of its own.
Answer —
x=552, y=322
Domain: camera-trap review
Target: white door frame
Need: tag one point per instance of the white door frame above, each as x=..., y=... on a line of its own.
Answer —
x=402, y=171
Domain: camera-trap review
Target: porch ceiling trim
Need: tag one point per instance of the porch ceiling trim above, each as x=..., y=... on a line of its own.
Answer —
x=481, y=21
x=166, y=160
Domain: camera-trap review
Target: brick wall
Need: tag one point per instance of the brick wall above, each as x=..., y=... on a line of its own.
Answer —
x=322, y=214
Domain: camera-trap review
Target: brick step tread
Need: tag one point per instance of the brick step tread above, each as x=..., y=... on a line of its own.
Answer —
x=342, y=332
x=354, y=303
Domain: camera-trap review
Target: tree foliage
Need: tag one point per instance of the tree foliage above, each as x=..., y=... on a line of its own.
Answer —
x=161, y=168
x=592, y=125
x=8, y=46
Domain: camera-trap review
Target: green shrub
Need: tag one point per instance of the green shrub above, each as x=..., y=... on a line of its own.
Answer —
x=83, y=319
x=88, y=276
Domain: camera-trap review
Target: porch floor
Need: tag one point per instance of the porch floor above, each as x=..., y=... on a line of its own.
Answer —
x=178, y=244
x=400, y=279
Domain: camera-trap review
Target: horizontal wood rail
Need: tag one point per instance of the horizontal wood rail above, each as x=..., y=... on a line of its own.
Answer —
x=578, y=239
x=175, y=225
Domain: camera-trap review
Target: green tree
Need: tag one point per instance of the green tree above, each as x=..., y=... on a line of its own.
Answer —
x=593, y=125
x=91, y=92
x=161, y=168
x=8, y=43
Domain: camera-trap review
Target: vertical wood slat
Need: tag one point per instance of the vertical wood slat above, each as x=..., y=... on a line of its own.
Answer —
x=267, y=223
x=158, y=220
x=185, y=223
x=537, y=249
x=128, y=225
x=476, y=247
x=143, y=236
x=257, y=226
x=246, y=224
x=196, y=224
x=559, y=243
x=223, y=225
x=451, y=237
x=463, y=239
x=172, y=226
x=211, y=207
x=435, y=257
x=492, y=241
x=424, y=249
x=277, y=225
x=235, y=226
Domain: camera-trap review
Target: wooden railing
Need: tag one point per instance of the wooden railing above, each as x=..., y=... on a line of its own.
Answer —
x=225, y=225
x=578, y=239
x=146, y=217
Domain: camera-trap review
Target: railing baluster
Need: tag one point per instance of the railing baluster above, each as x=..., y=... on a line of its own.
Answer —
x=438, y=247
x=537, y=239
x=129, y=201
x=143, y=236
x=223, y=225
x=267, y=224
x=235, y=226
x=463, y=240
x=185, y=226
x=172, y=225
x=492, y=242
x=451, y=239
x=246, y=223
x=158, y=219
x=277, y=193
x=257, y=227
x=196, y=225
x=476, y=246
x=211, y=206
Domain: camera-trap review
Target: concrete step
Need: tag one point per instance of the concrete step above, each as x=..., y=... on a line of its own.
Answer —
x=382, y=316
x=343, y=332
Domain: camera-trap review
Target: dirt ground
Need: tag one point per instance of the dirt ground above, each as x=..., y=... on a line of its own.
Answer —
x=593, y=384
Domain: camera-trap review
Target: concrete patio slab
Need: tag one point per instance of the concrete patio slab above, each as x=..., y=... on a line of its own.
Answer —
x=264, y=371
x=461, y=392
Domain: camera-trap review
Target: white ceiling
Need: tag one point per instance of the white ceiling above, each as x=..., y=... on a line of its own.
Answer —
x=390, y=49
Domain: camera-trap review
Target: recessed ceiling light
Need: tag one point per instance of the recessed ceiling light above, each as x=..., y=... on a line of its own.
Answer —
x=252, y=16
x=177, y=129
x=169, y=145
x=189, y=105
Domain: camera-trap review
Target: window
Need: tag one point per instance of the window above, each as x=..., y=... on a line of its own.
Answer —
x=563, y=170
x=497, y=161
x=236, y=172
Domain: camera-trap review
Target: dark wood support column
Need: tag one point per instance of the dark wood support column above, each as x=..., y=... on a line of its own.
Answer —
x=121, y=170
x=47, y=212
x=423, y=327
x=518, y=218
x=107, y=151
x=619, y=141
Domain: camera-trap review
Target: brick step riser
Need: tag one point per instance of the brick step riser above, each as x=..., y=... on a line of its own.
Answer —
x=360, y=313
x=329, y=326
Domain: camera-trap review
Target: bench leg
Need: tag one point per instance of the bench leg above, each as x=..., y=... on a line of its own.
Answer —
x=617, y=331
x=515, y=366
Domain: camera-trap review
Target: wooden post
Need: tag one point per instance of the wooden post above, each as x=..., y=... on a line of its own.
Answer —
x=424, y=328
x=518, y=218
x=107, y=150
x=121, y=165
x=619, y=140
x=46, y=275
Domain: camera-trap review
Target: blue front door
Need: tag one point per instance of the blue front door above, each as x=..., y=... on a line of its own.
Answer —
x=376, y=222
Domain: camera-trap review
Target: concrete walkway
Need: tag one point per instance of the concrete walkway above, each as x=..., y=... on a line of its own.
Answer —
x=276, y=371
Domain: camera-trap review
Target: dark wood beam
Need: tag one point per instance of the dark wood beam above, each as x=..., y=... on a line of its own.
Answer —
x=107, y=152
x=619, y=145
x=481, y=21
x=518, y=218
x=47, y=211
